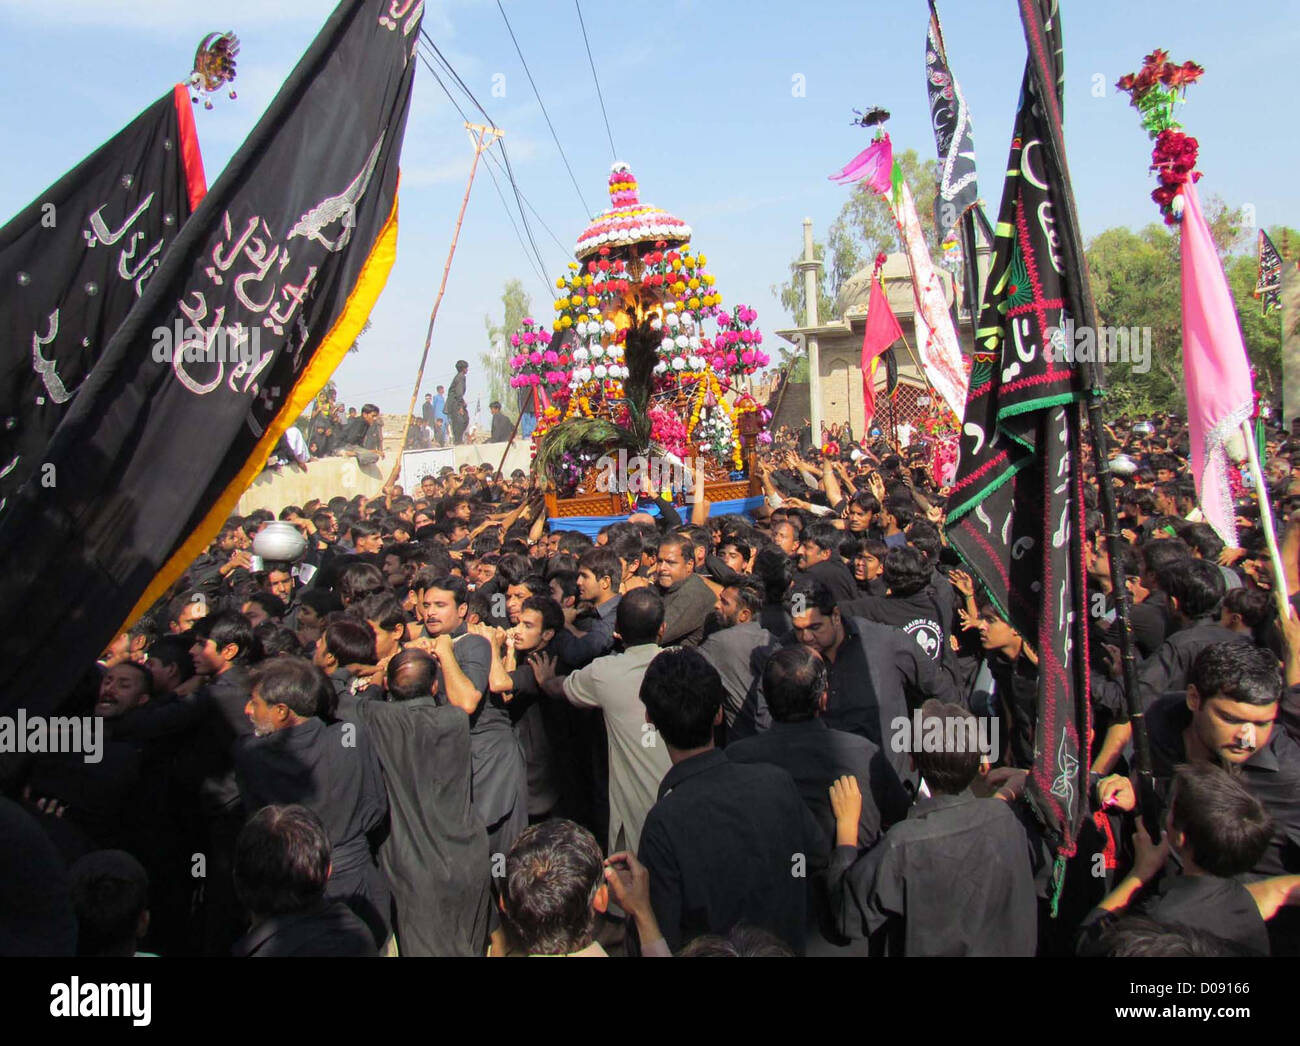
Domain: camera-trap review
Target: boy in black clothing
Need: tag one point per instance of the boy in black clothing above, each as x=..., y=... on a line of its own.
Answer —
x=1218, y=831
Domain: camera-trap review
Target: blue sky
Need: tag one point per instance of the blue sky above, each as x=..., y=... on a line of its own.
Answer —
x=703, y=105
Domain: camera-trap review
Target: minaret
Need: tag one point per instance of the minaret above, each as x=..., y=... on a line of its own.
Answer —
x=811, y=269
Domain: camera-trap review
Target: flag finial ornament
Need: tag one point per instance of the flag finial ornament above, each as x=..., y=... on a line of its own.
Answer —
x=214, y=66
x=1154, y=91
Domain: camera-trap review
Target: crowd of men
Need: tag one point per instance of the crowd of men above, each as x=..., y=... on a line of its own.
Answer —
x=455, y=728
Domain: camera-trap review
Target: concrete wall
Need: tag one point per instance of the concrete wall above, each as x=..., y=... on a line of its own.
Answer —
x=329, y=477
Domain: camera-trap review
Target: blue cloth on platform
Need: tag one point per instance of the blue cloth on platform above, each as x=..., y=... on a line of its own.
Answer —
x=590, y=525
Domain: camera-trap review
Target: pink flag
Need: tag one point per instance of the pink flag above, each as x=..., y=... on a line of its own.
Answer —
x=1219, y=395
x=872, y=166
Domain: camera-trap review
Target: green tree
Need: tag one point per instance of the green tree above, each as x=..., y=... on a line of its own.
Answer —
x=1136, y=282
x=864, y=228
x=515, y=305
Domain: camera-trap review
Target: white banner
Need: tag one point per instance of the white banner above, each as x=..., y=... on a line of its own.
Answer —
x=416, y=464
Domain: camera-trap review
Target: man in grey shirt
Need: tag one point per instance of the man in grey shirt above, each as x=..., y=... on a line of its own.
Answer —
x=739, y=651
x=638, y=758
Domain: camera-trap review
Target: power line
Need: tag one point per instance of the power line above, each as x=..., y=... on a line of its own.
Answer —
x=587, y=211
x=539, y=264
x=612, y=151
x=520, y=200
x=558, y=242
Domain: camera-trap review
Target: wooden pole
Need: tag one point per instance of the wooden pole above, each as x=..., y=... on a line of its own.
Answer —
x=519, y=416
x=483, y=137
x=1266, y=521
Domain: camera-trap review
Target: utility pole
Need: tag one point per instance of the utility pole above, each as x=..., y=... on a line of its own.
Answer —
x=481, y=136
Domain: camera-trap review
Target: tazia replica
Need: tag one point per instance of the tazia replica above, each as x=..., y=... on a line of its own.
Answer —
x=1154, y=91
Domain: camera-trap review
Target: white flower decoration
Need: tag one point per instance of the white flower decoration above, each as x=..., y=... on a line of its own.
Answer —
x=597, y=351
x=609, y=327
x=679, y=363
x=601, y=370
x=661, y=367
x=682, y=341
x=673, y=319
x=580, y=354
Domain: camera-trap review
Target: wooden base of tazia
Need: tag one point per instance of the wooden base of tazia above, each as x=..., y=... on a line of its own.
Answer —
x=615, y=504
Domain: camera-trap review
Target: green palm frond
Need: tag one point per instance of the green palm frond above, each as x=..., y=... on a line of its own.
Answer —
x=577, y=434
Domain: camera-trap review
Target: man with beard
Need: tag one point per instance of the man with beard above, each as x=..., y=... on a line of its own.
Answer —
x=436, y=855
x=876, y=673
x=739, y=650
x=331, y=770
x=688, y=600
x=1228, y=718
x=464, y=665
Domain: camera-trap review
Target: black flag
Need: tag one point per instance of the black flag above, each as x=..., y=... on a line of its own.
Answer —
x=954, y=135
x=1016, y=506
x=74, y=262
x=258, y=299
x=1268, y=288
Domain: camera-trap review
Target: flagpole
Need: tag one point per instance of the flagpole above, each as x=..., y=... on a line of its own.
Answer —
x=919, y=365
x=1266, y=519
x=485, y=136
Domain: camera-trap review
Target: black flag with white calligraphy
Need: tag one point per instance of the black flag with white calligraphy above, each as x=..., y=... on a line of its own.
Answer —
x=253, y=307
x=74, y=262
x=1015, y=511
x=958, y=190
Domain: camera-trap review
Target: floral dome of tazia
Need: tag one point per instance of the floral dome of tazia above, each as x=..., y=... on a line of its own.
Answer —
x=895, y=278
x=629, y=221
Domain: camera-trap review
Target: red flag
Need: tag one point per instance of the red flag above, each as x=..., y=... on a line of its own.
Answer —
x=882, y=331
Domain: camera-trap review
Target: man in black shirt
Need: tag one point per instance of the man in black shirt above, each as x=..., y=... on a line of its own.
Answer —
x=954, y=878
x=456, y=409
x=913, y=604
x=819, y=559
x=688, y=600
x=1195, y=589
x=725, y=843
x=332, y=770
x=876, y=673
x=502, y=427
x=1228, y=717
x=223, y=648
x=800, y=742
x=1218, y=831
x=282, y=868
x=464, y=666
x=436, y=854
